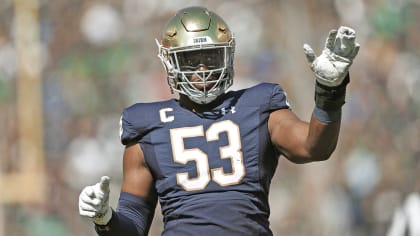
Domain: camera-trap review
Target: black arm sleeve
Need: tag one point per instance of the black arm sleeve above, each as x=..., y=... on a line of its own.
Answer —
x=133, y=216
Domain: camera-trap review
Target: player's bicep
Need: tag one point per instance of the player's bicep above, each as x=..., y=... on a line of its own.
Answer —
x=288, y=133
x=137, y=178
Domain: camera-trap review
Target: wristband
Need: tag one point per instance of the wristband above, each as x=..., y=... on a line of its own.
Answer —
x=331, y=98
x=327, y=116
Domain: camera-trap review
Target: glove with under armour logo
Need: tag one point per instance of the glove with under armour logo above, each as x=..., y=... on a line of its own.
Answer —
x=94, y=202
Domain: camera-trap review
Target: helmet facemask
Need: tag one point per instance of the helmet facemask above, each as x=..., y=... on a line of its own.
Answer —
x=211, y=66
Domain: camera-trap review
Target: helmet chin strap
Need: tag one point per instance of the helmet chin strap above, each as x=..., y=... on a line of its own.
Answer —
x=186, y=102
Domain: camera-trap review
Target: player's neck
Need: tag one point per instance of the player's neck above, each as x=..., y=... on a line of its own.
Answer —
x=195, y=107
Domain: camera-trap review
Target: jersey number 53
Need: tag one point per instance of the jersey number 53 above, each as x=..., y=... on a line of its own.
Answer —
x=231, y=151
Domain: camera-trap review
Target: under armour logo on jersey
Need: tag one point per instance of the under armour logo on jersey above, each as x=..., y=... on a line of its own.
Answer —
x=226, y=110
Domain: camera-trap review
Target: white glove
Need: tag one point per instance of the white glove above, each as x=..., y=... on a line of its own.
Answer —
x=332, y=66
x=94, y=202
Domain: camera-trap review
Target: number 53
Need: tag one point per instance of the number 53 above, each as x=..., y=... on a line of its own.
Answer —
x=231, y=151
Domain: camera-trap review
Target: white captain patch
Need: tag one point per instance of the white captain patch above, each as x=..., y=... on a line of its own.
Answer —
x=166, y=115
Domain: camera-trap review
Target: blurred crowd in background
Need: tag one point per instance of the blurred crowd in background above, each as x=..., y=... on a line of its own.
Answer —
x=98, y=57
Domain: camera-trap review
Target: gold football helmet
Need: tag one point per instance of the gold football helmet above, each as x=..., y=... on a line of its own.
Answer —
x=197, y=43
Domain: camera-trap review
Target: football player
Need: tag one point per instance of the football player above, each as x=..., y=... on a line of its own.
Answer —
x=209, y=156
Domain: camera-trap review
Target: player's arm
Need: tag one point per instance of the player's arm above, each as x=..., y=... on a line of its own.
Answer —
x=300, y=141
x=304, y=142
x=136, y=204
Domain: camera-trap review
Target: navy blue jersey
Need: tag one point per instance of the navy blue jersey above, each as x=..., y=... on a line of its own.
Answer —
x=212, y=170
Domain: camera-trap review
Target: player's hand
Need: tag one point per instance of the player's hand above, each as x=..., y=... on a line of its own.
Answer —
x=332, y=66
x=94, y=202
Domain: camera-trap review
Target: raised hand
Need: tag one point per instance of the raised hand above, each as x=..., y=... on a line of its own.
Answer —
x=332, y=66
